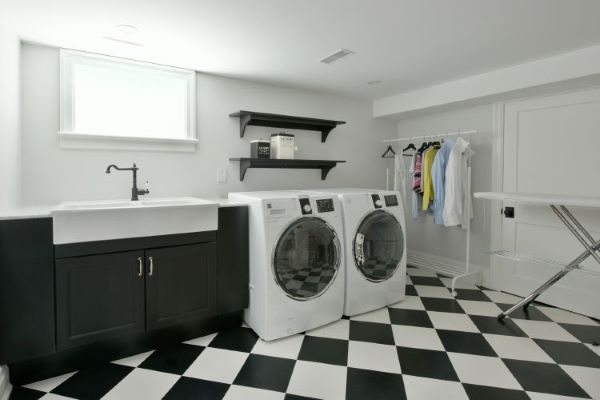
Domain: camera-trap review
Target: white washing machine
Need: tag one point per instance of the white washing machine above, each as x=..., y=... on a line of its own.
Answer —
x=375, y=242
x=296, y=262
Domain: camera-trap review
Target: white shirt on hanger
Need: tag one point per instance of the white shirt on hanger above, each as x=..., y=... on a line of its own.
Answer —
x=455, y=206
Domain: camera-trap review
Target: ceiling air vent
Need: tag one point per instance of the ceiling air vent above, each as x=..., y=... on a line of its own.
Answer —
x=330, y=59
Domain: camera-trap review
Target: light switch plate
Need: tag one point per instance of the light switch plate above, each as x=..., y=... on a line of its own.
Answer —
x=221, y=175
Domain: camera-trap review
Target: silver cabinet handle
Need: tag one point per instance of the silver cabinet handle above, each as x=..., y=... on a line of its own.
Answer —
x=151, y=266
x=141, y=266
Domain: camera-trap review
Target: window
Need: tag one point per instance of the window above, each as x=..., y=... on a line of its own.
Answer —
x=124, y=103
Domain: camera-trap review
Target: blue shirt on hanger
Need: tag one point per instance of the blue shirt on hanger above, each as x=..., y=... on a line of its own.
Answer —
x=438, y=176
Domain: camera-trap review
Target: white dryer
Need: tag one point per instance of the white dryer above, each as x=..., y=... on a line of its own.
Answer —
x=296, y=262
x=375, y=242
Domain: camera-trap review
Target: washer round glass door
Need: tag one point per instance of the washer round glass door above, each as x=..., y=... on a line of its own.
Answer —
x=378, y=246
x=306, y=258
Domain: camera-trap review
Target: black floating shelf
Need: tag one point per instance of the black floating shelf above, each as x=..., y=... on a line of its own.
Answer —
x=285, y=121
x=324, y=165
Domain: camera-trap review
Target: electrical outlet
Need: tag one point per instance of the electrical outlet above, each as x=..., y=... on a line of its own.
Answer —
x=221, y=175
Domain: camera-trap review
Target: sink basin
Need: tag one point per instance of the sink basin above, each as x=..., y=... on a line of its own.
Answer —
x=87, y=221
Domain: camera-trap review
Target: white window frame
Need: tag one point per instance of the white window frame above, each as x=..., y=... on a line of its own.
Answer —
x=71, y=139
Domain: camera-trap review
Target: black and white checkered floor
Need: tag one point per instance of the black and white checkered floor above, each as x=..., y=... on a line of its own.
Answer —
x=430, y=346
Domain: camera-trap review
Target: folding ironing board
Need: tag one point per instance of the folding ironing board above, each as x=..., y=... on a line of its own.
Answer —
x=558, y=204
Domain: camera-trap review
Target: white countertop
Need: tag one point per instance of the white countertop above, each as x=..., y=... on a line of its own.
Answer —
x=541, y=199
x=44, y=211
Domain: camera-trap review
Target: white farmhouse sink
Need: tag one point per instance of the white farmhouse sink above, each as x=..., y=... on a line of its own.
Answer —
x=88, y=221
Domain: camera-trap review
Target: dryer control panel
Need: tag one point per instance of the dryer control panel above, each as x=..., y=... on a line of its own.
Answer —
x=305, y=206
x=391, y=200
x=325, y=205
x=377, y=203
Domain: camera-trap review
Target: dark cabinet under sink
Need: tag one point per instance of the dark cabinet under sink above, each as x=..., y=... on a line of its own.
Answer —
x=98, y=297
x=179, y=284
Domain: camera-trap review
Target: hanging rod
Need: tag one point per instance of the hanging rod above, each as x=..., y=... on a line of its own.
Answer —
x=418, y=137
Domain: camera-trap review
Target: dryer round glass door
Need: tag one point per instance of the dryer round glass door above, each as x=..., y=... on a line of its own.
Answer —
x=306, y=258
x=378, y=246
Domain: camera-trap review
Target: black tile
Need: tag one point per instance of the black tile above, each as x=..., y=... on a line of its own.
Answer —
x=174, y=359
x=471, y=294
x=364, y=384
x=399, y=316
x=477, y=392
x=238, y=339
x=22, y=393
x=426, y=281
x=465, y=342
x=94, y=382
x=442, y=305
x=411, y=291
x=426, y=363
x=530, y=313
x=324, y=350
x=498, y=327
x=568, y=353
x=544, y=377
x=585, y=333
x=371, y=332
x=296, y=397
x=196, y=389
x=266, y=372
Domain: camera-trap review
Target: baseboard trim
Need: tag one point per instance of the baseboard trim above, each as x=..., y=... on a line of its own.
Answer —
x=5, y=386
x=447, y=266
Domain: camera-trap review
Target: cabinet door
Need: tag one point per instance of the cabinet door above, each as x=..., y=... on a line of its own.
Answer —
x=99, y=297
x=180, y=284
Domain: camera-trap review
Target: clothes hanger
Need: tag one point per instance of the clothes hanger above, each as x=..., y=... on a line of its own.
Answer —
x=411, y=146
x=388, y=150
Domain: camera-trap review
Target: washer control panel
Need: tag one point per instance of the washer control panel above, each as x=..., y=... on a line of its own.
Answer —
x=305, y=206
x=391, y=200
x=325, y=205
x=377, y=203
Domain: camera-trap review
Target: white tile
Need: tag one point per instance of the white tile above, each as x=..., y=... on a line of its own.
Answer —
x=545, y=330
x=565, y=317
x=52, y=396
x=409, y=303
x=202, y=341
x=217, y=365
x=382, y=316
x=501, y=297
x=517, y=348
x=431, y=389
x=452, y=321
x=460, y=284
x=48, y=385
x=417, y=337
x=547, y=396
x=336, y=330
x=288, y=347
x=373, y=356
x=433, y=291
x=420, y=272
x=142, y=384
x=318, y=380
x=135, y=360
x=485, y=308
x=587, y=378
x=480, y=370
x=236, y=392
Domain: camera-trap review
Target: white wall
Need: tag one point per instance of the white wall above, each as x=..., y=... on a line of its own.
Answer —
x=52, y=174
x=423, y=235
x=9, y=119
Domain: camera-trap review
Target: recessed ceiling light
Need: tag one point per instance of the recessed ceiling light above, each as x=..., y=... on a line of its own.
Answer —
x=336, y=56
x=375, y=82
x=125, y=34
x=127, y=29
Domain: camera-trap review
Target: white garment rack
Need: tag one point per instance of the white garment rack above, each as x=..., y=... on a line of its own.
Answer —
x=468, y=234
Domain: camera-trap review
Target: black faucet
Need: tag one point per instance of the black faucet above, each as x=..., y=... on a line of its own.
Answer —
x=135, y=192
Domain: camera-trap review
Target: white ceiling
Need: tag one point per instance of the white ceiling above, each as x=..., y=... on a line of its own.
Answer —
x=406, y=44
